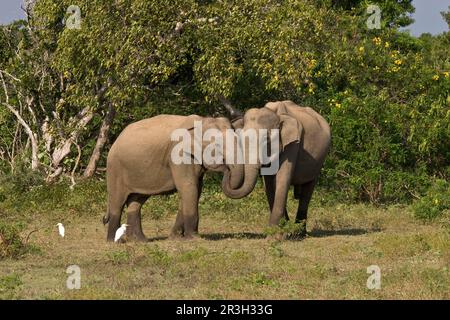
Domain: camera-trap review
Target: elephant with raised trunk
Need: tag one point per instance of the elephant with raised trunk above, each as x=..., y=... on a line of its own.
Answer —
x=304, y=142
x=140, y=165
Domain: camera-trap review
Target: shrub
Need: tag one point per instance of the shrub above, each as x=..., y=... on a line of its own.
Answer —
x=11, y=244
x=435, y=202
x=22, y=180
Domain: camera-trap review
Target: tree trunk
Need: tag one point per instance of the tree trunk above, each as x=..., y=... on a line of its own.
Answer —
x=101, y=141
x=31, y=135
x=62, y=149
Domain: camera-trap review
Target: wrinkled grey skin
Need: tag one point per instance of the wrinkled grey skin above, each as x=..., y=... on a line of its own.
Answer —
x=139, y=165
x=305, y=140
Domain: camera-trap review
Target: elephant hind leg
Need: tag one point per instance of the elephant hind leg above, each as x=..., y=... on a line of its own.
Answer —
x=115, y=207
x=134, y=221
x=303, y=193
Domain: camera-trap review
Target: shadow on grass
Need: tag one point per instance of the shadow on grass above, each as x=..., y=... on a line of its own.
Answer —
x=160, y=238
x=237, y=235
x=315, y=233
x=319, y=233
x=215, y=236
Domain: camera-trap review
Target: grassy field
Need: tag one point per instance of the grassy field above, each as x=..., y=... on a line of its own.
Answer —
x=232, y=259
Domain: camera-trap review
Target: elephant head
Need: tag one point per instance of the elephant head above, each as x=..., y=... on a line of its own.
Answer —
x=211, y=138
x=274, y=115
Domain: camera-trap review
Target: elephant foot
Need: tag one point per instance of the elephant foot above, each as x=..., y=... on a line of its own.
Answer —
x=191, y=236
x=286, y=230
x=122, y=240
x=296, y=236
x=276, y=237
x=299, y=232
x=176, y=233
x=140, y=238
x=176, y=236
x=136, y=236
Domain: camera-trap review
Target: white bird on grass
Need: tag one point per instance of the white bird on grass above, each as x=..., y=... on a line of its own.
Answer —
x=120, y=232
x=61, y=229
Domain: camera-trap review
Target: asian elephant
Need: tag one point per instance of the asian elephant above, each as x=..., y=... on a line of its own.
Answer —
x=305, y=139
x=140, y=165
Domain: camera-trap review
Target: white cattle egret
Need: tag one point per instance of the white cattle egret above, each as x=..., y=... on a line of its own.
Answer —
x=61, y=229
x=120, y=232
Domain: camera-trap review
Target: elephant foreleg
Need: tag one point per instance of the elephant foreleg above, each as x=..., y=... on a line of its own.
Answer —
x=188, y=219
x=199, y=193
x=189, y=197
x=178, y=228
x=283, y=182
x=270, y=187
x=134, y=221
x=188, y=181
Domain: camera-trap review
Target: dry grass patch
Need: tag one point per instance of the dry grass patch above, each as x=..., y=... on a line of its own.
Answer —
x=233, y=259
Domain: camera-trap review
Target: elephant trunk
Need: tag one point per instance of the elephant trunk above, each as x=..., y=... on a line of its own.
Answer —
x=236, y=176
x=251, y=173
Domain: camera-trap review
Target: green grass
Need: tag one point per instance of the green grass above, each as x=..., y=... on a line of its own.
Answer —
x=233, y=259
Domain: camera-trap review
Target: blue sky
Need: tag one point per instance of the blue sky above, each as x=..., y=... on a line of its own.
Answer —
x=427, y=16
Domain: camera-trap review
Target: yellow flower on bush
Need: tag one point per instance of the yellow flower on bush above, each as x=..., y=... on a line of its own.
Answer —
x=395, y=69
x=312, y=63
x=377, y=41
x=446, y=74
x=395, y=53
x=398, y=62
x=361, y=49
x=435, y=77
x=386, y=44
x=436, y=201
x=338, y=105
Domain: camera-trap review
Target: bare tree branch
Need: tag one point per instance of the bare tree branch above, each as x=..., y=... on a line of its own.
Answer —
x=234, y=113
x=32, y=136
x=101, y=141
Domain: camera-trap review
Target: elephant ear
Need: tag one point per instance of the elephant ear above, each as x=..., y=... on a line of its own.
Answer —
x=278, y=107
x=189, y=124
x=290, y=129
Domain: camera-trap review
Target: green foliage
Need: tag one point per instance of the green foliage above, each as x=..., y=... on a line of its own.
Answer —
x=388, y=111
x=119, y=257
x=262, y=279
x=435, y=201
x=275, y=250
x=21, y=181
x=159, y=256
x=385, y=93
x=11, y=243
x=58, y=199
x=10, y=282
